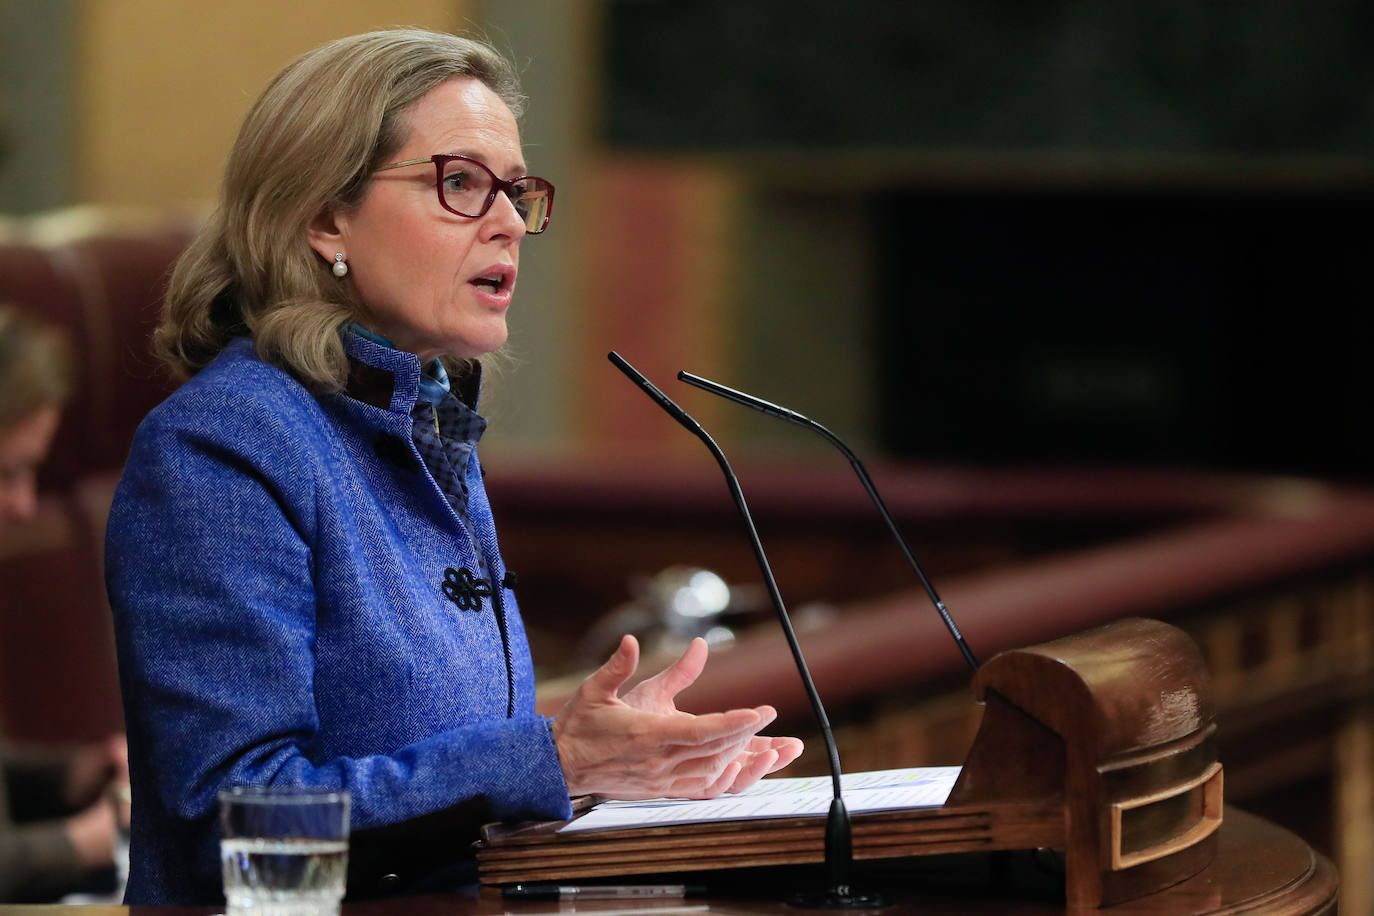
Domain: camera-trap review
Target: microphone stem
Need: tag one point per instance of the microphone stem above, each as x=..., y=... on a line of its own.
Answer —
x=757, y=545
x=838, y=833
x=901, y=541
x=839, y=842
x=791, y=416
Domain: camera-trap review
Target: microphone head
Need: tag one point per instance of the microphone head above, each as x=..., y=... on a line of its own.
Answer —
x=668, y=405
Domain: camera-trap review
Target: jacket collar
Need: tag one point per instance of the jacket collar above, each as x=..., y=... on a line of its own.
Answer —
x=389, y=379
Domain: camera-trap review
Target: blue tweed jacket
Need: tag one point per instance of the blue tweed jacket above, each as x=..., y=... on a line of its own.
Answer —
x=283, y=575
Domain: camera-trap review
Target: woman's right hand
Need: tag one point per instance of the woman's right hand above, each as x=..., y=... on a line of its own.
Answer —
x=642, y=746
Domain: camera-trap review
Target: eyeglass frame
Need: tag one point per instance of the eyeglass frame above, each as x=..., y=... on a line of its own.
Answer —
x=498, y=185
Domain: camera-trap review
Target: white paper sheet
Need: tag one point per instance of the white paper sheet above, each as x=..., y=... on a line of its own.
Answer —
x=876, y=790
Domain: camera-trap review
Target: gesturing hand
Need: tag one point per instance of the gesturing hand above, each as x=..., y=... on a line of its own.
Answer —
x=761, y=755
x=642, y=746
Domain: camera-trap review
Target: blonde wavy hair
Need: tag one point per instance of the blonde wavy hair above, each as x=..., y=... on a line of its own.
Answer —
x=35, y=366
x=314, y=138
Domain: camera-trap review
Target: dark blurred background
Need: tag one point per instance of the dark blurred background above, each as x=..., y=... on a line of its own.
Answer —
x=1121, y=233
x=973, y=230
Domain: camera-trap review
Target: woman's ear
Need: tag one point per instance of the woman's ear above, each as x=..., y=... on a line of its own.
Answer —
x=326, y=233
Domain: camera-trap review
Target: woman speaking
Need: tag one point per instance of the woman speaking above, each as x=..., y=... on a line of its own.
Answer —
x=302, y=560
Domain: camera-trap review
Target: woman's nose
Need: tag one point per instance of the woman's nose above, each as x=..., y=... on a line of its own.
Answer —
x=505, y=219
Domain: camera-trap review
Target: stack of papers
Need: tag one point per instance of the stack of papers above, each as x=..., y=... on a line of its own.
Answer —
x=876, y=790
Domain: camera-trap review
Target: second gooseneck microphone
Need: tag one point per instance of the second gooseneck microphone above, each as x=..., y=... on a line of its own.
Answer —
x=839, y=855
x=791, y=416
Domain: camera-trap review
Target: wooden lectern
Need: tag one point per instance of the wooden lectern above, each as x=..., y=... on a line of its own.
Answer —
x=1101, y=745
x=1113, y=729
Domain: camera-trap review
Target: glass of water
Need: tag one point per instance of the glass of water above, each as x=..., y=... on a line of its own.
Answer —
x=284, y=851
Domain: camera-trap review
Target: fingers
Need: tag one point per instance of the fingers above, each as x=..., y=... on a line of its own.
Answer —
x=710, y=784
x=713, y=732
x=611, y=749
x=677, y=677
x=762, y=756
x=608, y=748
x=753, y=767
x=753, y=760
x=605, y=682
x=788, y=749
x=701, y=771
x=722, y=783
x=642, y=746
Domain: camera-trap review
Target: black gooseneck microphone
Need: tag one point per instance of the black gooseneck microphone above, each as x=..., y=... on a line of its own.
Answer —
x=791, y=416
x=839, y=853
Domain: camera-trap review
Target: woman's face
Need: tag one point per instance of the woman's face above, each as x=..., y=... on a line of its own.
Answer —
x=430, y=281
x=22, y=446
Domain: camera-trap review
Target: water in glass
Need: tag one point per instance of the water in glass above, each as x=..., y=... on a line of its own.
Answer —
x=291, y=876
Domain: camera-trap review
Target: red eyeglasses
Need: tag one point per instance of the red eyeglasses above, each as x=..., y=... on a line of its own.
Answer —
x=468, y=188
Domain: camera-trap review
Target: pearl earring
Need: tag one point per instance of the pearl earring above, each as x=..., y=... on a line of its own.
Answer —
x=340, y=268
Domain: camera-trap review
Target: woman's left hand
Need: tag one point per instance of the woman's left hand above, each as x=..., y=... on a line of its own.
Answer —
x=641, y=745
x=657, y=694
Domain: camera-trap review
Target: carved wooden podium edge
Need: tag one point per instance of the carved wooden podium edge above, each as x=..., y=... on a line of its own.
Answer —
x=1114, y=727
x=1101, y=744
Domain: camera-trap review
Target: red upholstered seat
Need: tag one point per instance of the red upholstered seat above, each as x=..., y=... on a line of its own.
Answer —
x=100, y=278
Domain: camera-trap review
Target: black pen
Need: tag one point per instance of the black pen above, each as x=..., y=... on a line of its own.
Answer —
x=600, y=891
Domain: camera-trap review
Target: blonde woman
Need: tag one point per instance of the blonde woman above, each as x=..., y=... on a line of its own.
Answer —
x=302, y=561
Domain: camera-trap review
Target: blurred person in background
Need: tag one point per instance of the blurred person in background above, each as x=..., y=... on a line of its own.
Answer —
x=35, y=381
x=301, y=557
x=57, y=827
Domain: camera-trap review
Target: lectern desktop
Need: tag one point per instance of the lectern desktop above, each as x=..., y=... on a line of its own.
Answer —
x=1101, y=745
